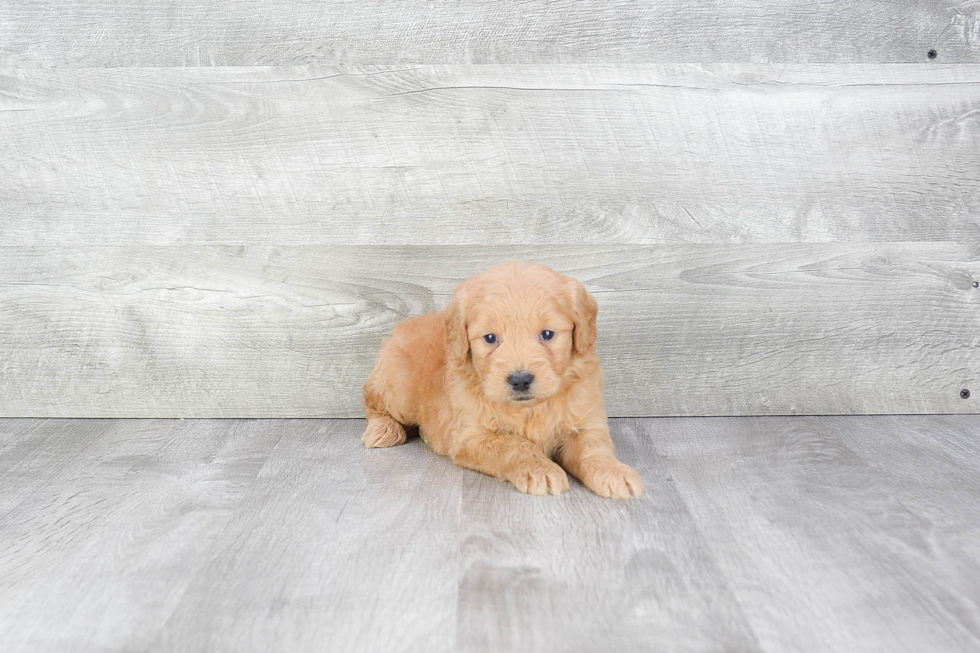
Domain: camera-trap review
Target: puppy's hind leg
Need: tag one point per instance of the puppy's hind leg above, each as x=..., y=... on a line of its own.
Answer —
x=382, y=429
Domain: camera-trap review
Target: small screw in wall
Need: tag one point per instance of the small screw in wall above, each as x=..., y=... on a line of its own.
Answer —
x=976, y=284
x=932, y=54
x=964, y=393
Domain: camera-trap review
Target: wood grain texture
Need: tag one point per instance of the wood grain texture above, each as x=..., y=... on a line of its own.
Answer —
x=335, y=547
x=508, y=154
x=293, y=331
x=122, y=514
x=33, y=450
x=642, y=579
x=48, y=33
x=929, y=464
x=822, y=549
x=772, y=534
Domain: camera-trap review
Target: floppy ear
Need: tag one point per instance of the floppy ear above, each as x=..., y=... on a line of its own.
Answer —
x=457, y=340
x=584, y=313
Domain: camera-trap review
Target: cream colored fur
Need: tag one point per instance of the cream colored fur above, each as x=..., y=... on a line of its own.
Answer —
x=438, y=372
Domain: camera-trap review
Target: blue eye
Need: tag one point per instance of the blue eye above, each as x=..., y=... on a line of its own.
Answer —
x=547, y=335
x=490, y=338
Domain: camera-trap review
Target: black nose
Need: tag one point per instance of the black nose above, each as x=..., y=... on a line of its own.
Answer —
x=520, y=381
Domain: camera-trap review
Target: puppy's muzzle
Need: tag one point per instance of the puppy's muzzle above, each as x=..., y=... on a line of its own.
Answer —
x=520, y=384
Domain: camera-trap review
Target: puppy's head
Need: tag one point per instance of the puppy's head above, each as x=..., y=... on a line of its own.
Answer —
x=520, y=328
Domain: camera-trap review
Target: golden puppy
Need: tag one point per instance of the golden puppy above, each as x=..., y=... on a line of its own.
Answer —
x=504, y=381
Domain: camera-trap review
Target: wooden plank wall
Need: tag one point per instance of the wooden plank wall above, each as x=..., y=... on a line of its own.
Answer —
x=219, y=210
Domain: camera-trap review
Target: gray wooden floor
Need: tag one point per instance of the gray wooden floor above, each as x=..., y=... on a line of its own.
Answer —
x=756, y=533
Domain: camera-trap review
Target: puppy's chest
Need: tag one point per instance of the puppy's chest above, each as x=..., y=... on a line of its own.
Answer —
x=538, y=425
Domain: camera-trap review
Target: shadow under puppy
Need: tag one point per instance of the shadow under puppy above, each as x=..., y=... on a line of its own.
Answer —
x=505, y=381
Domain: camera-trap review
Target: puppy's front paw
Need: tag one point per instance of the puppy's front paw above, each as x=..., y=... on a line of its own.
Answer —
x=383, y=432
x=614, y=481
x=540, y=478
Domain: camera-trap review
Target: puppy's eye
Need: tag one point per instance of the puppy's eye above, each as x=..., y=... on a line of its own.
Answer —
x=490, y=338
x=547, y=335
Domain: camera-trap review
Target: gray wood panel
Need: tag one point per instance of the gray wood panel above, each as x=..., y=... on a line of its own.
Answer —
x=772, y=534
x=122, y=514
x=514, y=154
x=292, y=331
x=335, y=547
x=821, y=548
x=33, y=451
x=262, y=32
x=929, y=462
x=588, y=574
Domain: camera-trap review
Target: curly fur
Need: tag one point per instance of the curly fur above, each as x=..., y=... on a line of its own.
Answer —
x=437, y=372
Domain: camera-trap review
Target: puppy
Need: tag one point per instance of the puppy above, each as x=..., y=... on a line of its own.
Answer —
x=505, y=381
